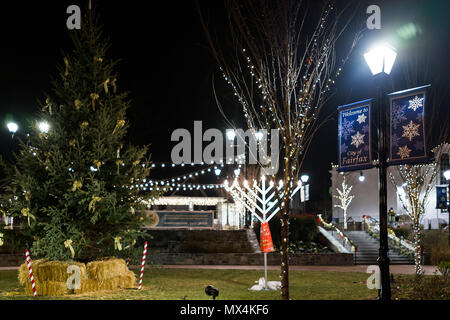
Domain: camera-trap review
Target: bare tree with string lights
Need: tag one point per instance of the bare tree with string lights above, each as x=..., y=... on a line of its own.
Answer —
x=345, y=199
x=416, y=183
x=281, y=65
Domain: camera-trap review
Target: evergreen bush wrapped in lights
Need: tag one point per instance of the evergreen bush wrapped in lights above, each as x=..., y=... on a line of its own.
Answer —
x=73, y=186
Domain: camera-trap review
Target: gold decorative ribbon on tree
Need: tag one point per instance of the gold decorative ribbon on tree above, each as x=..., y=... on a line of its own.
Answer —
x=48, y=105
x=97, y=164
x=27, y=196
x=117, y=244
x=26, y=213
x=135, y=163
x=132, y=210
x=68, y=244
x=94, y=200
x=1, y=239
x=84, y=124
x=76, y=185
x=105, y=85
x=94, y=96
x=118, y=151
x=72, y=142
x=77, y=104
x=113, y=83
x=66, y=62
x=119, y=124
x=118, y=163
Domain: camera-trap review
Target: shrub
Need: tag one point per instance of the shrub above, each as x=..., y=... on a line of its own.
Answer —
x=402, y=232
x=421, y=288
x=440, y=254
x=436, y=246
x=302, y=227
x=444, y=268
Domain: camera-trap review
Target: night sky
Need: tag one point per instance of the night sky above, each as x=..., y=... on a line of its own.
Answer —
x=167, y=66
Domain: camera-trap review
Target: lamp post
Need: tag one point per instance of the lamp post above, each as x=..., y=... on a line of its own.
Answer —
x=380, y=60
x=447, y=177
x=304, y=178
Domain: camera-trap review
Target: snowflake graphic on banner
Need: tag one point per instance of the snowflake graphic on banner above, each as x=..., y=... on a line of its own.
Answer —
x=398, y=115
x=365, y=128
x=395, y=140
x=411, y=130
x=346, y=128
x=415, y=103
x=344, y=148
x=358, y=139
x=404, y=152
x=419, y=116
x=361, y=118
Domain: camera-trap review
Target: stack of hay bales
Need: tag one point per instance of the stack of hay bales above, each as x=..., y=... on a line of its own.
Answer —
x=108, y=275
x=51, y=276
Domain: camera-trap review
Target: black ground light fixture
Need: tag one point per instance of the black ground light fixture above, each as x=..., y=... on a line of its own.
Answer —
x=211, y=291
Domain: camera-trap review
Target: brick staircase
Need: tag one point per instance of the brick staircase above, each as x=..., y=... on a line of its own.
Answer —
x=368, y=250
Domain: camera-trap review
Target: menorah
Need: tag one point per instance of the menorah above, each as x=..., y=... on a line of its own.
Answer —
x=261, y=203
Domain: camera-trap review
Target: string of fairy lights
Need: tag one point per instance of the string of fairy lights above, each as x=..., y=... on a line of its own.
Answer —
x=180, y=182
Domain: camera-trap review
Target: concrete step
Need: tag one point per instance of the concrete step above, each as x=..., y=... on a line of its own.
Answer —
x=368, y=250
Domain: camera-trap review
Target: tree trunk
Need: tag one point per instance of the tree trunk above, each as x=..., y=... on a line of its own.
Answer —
x=284, y=253
x=345, y=219
x=417, y=253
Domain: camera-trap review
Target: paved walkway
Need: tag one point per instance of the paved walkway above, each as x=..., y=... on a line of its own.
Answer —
x=395, y=269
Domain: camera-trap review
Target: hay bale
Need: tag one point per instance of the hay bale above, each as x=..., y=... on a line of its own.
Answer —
x=24, y=277
x=127, y=280
x=106, y=269
x=44, y=270
x=51, y=276
x=48, y=288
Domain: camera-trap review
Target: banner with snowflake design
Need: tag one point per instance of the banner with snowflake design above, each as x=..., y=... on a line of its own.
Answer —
x=407, y=126
x=354, y=135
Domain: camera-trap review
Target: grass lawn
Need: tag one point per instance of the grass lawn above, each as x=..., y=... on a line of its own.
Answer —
x=174, y=284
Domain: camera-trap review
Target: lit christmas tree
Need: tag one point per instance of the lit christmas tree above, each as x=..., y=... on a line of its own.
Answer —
x=73, y=183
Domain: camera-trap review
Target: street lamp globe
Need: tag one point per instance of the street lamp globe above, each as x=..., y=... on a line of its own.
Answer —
x=44, y=127
x=447, y=174
x=12, y=127
x=380, y=58
x=304, y=178
x=361, y=177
